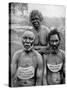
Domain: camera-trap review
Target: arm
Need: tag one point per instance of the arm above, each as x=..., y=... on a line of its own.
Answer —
x=63, y=54
x=14, y=66
x=42, y=49
x=39, y=73
x=45, y=70
x=63, y=58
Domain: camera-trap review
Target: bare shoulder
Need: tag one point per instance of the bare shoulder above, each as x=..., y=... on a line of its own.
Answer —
x=62, y=52
x=45, y=28
x=39, y=59
x=17, y=53
x=38, y=55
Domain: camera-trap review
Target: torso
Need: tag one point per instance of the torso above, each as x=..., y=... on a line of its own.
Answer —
x=27, y=64
x=54, y=68
x=40, y=37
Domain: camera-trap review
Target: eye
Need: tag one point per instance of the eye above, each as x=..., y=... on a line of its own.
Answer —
x=30, y=38
x=33, y=19
x=56, y=40
x=51, y=40
x=25, y=38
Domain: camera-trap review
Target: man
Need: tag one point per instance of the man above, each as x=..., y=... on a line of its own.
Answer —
x=40, y=31
x=54, y=62
x=27, y=65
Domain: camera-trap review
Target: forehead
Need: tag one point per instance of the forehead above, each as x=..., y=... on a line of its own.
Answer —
x=28, y=34
x=54, y=37
x=36, y=17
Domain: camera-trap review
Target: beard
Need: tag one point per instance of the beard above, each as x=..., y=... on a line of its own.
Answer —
x=54, y=48
x=28, y=46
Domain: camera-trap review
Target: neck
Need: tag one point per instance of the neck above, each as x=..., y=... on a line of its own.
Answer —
x=37, y=29
x=28, y=51
x=54, y=51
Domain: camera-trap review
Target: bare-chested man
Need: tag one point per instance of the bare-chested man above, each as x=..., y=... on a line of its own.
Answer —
x=27, y=65
x=40, y=31
x=54, y=62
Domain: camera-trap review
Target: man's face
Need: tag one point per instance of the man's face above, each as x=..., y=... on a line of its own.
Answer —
x=28, y=41
x=36, y=22
x=54, y=42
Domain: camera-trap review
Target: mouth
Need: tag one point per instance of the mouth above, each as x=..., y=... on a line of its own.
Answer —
x=35, y=23
x=54, y=46
x=27, y=46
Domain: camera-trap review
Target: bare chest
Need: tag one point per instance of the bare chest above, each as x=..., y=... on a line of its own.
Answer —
x=27, y=60
x=54, y=59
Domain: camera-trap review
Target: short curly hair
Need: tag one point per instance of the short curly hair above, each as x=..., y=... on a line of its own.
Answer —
x=53, y=32
x=33, y=15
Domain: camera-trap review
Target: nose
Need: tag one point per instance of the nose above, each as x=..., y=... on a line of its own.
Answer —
x=27, y=40
x=54, y=43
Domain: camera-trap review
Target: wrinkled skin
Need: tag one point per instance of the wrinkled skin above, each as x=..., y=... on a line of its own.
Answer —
x=28, y=40
x=26, y=65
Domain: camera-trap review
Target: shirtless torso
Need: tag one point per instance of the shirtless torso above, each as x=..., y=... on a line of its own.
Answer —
x=40, y=38
x=55, y=68
x=28, y=68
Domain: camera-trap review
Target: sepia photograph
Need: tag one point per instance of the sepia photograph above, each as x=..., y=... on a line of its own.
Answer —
x=36, y=44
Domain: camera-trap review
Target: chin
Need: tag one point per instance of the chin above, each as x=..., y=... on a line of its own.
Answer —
x=36, y=26
x=28, y=49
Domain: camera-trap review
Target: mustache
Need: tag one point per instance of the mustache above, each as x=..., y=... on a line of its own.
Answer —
x=27, y=44
x=54, y=46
